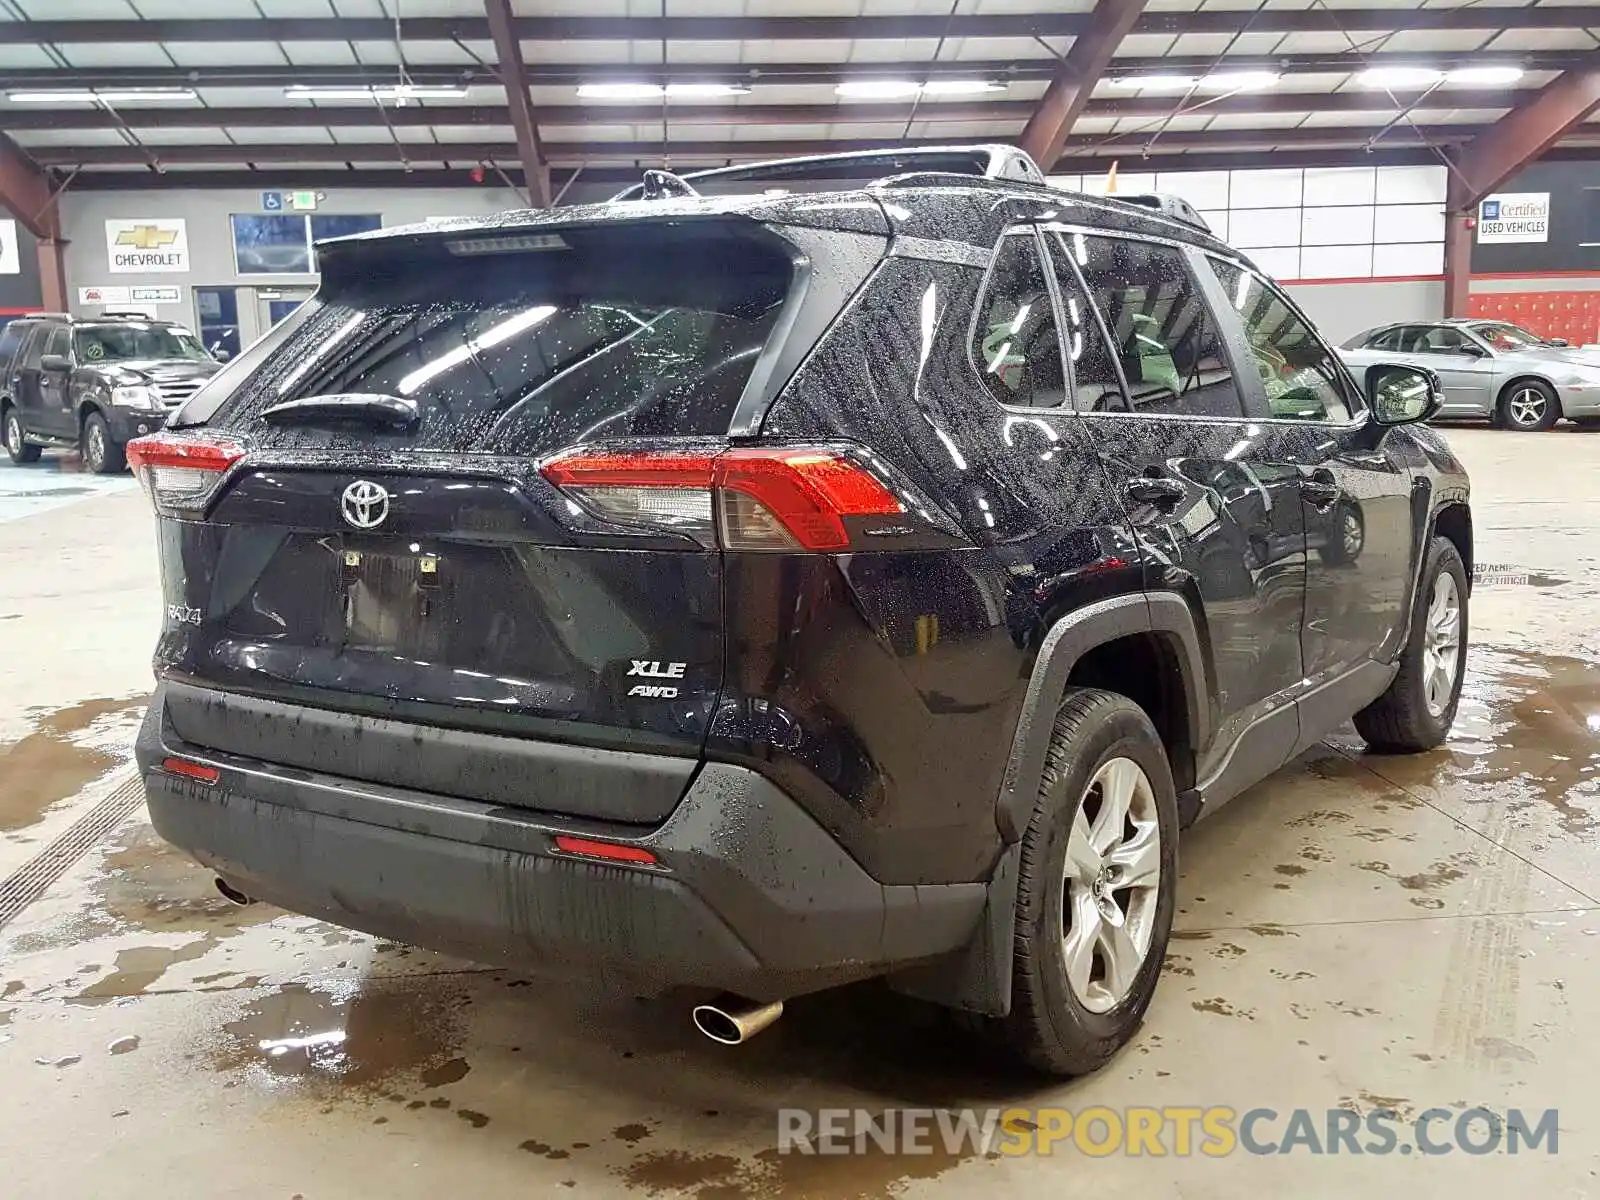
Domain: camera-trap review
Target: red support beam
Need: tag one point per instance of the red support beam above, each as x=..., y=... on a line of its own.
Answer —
x=28, y=195
x=508, y=52
x=1068, y=94
x=1521, y=136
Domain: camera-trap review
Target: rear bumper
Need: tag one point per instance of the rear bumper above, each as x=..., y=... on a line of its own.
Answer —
x=753, y=896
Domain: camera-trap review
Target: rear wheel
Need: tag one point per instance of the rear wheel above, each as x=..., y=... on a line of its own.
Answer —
x=1096, y=887
x=16, y=444
x=1530, y=406
x=1420, y=706
x=1347, y=534
x=100, y=454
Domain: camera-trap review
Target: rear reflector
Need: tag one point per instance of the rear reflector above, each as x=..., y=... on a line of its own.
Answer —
x=778, y=498
x=609, y=851
x=191, y=770
x=179, y=471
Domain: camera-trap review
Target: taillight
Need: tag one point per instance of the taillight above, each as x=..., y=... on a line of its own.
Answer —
x=179, y=472
x=749, y=498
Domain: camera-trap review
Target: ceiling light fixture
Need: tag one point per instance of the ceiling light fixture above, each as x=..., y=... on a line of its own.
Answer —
x=1399, y=77
x=398, y=93
x=654, y=91
x=961, y=87
x=1239, y=81
x=105, y=96
x=1488, y=76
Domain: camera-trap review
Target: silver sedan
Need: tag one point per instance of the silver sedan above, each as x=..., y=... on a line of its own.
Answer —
x=1490, y=369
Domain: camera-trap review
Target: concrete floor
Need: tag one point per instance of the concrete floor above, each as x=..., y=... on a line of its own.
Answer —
x=1356, y=931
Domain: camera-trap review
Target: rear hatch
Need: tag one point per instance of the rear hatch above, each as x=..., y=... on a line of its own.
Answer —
x=382, y=539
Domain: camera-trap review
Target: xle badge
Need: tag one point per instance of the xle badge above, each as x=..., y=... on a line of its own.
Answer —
x=655, y=670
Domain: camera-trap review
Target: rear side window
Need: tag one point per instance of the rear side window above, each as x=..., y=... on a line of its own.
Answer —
x=1162, y=332
x=640, y=332
x=1015, y=341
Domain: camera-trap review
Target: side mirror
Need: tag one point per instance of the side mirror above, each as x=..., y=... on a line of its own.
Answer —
x=1557, y=342
x=1471, y=351
x=56, y=362
x=221, y=355
x=1401, y=395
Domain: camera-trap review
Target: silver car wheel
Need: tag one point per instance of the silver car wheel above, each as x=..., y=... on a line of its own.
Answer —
x=1113, y=877
x=1441, y=644
x=1527, y=406
x=95, y=450
x=14, y=435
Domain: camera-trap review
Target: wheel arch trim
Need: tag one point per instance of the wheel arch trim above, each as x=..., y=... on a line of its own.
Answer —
x=1165, y=614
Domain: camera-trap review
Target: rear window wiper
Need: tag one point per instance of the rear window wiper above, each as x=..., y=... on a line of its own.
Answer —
x=370, y=408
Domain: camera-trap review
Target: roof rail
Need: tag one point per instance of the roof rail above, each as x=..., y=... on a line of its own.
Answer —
x=115, y=312
x=1167, y=205
x=982, y=161
x=42, y=316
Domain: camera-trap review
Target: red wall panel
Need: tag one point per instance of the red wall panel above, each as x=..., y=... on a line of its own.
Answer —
x=1571, y=315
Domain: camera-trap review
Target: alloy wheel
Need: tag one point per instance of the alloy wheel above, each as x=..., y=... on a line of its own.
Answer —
x=1526, y=406
x=1441, y=644
x=1352, y=533
x=13, y=435
x=1113, y=877
x=95, y=450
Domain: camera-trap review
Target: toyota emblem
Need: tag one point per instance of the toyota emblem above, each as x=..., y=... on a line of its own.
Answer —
x=365, y=504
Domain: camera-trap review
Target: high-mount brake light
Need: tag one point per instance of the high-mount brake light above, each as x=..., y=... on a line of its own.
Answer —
x=178, y=471
x=749, y=498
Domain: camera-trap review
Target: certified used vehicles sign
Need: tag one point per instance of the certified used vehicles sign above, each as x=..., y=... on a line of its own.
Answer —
x=1514, y=217
x=141, y=244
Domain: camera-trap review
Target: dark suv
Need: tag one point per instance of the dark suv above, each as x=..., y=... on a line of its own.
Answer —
x=768, y=592
x=93, y=383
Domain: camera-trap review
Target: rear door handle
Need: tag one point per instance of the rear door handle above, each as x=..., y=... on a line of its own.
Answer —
x=1319, y=493
x=1154, y=489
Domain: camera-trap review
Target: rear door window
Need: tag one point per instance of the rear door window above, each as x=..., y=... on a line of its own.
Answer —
x=1162, y=332
x=1015, y=341
x=639, y=332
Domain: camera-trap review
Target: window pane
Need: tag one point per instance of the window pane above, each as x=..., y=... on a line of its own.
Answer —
x=1161, y=331
x=1298, y=371
x=271, y=244
x=1018, y=348
x=1095, y=382
x=332, y=225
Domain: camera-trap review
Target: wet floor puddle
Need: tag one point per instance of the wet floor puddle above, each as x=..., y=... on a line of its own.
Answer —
x=1528, y=731
x=68, y=749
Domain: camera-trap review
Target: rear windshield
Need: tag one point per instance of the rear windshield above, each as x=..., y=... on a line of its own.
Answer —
x=642, y=332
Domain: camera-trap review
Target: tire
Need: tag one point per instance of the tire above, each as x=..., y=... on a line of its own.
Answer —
x=1056, y=1025
x=16, y=446
x=1529, y=406
x=100, y=454
x=1347, y=535
x=1403, y=720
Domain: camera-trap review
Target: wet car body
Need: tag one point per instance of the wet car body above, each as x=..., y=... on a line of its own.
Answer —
x=818, y=760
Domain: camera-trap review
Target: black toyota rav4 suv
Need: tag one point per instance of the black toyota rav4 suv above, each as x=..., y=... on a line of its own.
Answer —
x=762, y=593
x=93, y=383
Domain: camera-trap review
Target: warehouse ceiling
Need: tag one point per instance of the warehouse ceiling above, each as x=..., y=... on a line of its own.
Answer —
x=123, y=93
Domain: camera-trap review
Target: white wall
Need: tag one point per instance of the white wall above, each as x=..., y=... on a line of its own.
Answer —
x=1342, y=310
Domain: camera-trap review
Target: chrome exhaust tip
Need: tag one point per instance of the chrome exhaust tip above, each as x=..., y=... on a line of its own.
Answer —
x=732, y=1020
x=233, y=894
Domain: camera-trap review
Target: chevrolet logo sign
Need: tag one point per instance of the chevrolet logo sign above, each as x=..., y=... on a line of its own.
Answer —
x=147, y=237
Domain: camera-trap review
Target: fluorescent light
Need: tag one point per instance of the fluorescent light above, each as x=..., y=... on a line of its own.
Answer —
x=654, y=91
x=1399, y=77
x=397, y=92
x=105, y=96
x=1484, y=75
x=961, y=87
x=526, y=319
x=1158, y=83
x=1239, y=81
x=619, y=91
x=878, y=89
